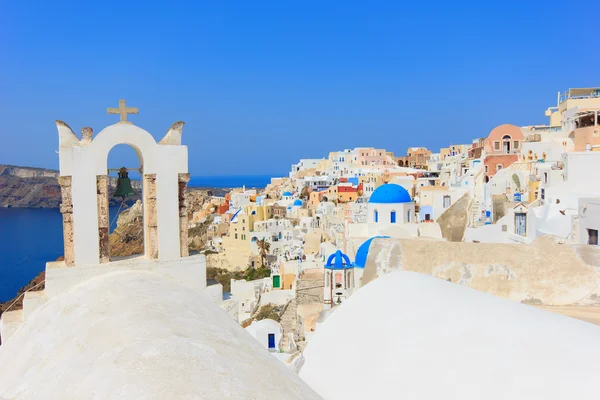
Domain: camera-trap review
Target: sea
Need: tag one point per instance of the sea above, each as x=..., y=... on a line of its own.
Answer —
x=30, y=237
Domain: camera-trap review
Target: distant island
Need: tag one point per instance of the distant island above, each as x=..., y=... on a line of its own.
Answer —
x=29, y=187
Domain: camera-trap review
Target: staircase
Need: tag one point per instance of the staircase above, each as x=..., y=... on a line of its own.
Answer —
x=289, y=322
x=474, y=214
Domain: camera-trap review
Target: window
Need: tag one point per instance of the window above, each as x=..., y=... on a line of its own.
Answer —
x=408, y=216
x=393, y=217
x=593, y=236
x=486, y=169
x=446, y=201
x=498, y=167
x=543, y=194
x=545, y=177
x=496, y=145
x=236, y=235
x=521, y=224
x=516, y=144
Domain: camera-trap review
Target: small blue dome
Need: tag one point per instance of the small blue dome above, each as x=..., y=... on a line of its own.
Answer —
x=297, y=203
x=390, y=193
x=363, y=252
x=338, y=260
x=286, y=194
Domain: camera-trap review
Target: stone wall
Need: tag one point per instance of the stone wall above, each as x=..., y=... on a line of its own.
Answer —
x=453, y=221
x=499, y=206
x=309, y=291
x=544, y=272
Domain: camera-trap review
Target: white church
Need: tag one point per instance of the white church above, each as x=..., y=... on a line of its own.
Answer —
x=137, y=328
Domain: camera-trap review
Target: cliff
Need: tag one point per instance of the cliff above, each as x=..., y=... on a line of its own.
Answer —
x=128, y=237
x=37, y=187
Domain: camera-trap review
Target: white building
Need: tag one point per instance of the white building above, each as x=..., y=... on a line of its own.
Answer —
x=267, y=332
x=481, y=346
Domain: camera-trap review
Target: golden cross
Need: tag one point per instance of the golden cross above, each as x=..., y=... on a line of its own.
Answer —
x=123, y=111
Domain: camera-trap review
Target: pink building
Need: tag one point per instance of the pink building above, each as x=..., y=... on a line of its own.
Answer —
x=502, y=148
x=371, y=157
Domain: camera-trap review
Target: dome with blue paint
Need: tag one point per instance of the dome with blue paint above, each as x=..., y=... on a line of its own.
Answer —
x=286, y=194
x=390, y=193
x=338, y=260
x=363, y=251
x=297, y=203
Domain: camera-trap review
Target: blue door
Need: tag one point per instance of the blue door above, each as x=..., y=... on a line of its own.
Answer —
x=393, y=217
x=271, y=340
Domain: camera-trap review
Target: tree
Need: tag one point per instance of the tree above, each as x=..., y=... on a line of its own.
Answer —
x=264, y=248
x=517, y=182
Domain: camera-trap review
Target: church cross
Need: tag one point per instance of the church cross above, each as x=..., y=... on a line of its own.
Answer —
x=123, y=111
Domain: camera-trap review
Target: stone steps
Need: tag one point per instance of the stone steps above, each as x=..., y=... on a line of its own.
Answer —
x=288, y=322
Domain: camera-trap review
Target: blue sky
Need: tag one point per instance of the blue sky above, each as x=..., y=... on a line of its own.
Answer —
x=261, y=84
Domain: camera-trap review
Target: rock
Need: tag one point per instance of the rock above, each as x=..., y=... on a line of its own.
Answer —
x=38, y=187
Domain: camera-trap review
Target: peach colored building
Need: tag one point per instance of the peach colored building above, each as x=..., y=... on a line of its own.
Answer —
x=347, y=194
x=316, y=197
x=586, y=135
x=416, y=157
x=502, y=148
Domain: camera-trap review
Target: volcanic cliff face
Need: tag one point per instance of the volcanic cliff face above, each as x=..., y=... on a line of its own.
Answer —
x=37, y=187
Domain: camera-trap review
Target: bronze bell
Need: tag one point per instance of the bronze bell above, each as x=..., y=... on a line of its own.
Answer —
x=124, y=188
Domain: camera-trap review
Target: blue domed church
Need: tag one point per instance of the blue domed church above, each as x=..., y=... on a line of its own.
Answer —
x=390, y=204
x=338, y=279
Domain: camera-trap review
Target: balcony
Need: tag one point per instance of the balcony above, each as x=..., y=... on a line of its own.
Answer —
x=504, y=152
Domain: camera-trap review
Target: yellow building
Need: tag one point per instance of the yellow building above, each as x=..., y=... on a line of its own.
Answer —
x=237, y=242
x=241, y=229
x=533, y=187
x=286, y=277
x=581, y=97
x=454, y=150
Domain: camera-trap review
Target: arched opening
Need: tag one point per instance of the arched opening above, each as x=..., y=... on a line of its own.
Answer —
x=506, y=144
x=376, y=216
x=118, y=194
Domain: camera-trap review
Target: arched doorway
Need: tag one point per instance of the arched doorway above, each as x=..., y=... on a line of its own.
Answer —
x=506, y=144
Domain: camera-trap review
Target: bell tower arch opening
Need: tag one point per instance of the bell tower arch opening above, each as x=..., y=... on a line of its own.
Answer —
x=118, y=191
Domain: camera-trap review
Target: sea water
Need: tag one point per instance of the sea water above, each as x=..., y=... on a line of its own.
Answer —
x=30, y=237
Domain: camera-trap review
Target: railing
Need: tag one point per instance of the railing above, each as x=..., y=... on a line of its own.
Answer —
x=546, y=128
x=501, y=152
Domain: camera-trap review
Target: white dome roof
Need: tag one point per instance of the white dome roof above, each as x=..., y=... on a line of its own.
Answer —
x=138, y=335
x=412, y=336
